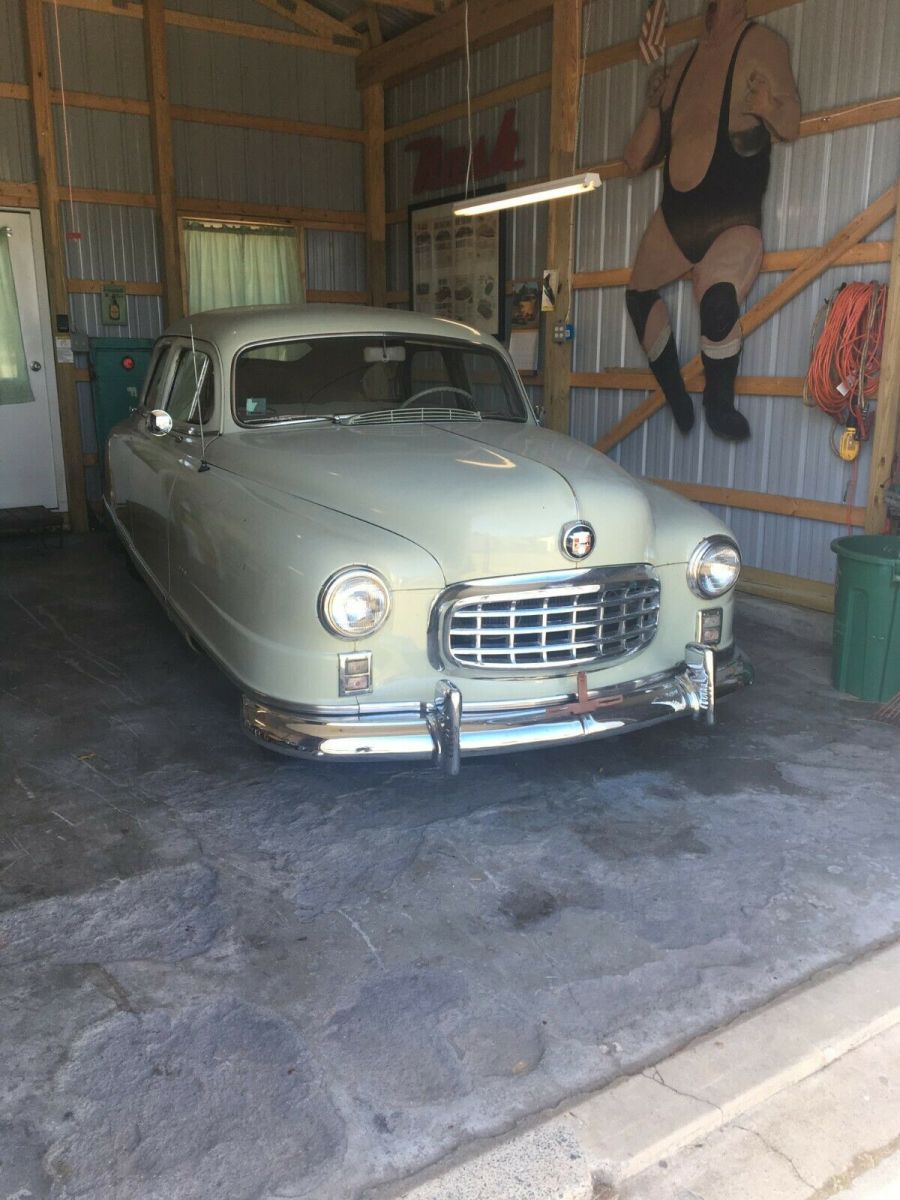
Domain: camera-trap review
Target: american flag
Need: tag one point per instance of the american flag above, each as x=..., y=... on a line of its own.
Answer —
x=652, y=41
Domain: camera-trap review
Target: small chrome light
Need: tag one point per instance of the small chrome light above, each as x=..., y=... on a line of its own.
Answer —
x=714, y=567
x=709, y=626
x=354, y=603
x=354, y=673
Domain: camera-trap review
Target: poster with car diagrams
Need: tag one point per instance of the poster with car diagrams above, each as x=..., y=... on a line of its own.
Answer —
x=455, y=266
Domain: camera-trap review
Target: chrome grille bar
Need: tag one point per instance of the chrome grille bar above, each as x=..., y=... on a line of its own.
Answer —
x=577, y=623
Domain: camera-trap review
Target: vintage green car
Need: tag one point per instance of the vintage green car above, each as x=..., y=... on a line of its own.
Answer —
x=355, y=513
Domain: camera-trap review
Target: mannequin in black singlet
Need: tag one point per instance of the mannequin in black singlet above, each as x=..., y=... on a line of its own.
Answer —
x=711, y=120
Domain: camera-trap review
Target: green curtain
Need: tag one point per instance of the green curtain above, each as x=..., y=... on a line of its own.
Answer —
x=15, y=387
x=230, y=265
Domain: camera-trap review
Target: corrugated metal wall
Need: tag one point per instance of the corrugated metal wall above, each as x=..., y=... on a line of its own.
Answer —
x=842, y=52
x=104, y=54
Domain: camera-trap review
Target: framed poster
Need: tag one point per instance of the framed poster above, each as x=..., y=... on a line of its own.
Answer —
x=456, y=265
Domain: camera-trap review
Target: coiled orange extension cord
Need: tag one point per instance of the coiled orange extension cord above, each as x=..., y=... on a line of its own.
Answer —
x=845, y=364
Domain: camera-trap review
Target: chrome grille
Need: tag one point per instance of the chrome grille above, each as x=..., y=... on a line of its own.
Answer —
x=579, y=624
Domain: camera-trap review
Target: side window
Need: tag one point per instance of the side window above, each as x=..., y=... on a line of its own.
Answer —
x=192, y=398
x=157, y=378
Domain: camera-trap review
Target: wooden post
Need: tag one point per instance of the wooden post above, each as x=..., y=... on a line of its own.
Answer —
x=161, y=147
x=54, y=256
x=565, y=79
x=376, y=250
x=886, y=438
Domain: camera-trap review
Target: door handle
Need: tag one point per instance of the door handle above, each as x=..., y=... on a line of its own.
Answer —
x=35, y=366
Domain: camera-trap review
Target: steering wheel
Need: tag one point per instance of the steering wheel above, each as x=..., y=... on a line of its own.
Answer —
x=443, y=387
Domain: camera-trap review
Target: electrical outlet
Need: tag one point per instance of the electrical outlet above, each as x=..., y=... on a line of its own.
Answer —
x=562, y=332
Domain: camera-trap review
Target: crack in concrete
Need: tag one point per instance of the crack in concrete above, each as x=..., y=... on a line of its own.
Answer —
x=775, y=1150
x=654, y=1074
x=106, y=983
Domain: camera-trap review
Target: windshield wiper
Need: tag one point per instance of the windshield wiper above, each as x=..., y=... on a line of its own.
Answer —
x=279, y=420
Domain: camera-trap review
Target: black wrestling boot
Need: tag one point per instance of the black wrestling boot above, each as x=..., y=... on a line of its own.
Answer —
x=718, y=399
x=668, y=375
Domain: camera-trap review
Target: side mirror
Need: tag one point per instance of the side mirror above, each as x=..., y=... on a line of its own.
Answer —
x=159, y=423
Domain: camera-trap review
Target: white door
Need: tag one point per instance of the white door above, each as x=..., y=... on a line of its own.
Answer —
x=30, y=444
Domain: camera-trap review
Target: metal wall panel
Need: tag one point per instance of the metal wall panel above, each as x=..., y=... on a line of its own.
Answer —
x=527, y=53
x=12, y=42
x=117, y=242
x=100, y=53
x=256, y=167
x=234, y=10
x=106, y=150
x=17, y=162
x=335, y=261
x=144, y=317
x=211, y=70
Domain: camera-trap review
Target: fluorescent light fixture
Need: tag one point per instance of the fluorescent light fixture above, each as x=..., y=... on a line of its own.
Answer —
x=533, y=194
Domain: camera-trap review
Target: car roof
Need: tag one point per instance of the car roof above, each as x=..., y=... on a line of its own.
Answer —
x=232, y=328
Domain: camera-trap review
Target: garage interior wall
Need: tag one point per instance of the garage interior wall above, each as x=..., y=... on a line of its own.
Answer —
x=843, y=55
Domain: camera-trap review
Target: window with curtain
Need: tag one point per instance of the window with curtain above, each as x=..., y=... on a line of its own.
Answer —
x=234, y=263
x=15, y=387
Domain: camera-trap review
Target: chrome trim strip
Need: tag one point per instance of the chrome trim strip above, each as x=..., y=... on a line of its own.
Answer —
x=441, y=730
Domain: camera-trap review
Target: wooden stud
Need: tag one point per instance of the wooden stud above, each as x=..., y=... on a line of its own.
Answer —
x=819, y=260
x=312, y=218
x=161, y=146
x=93, y=287
x=886, y=436
x=54, y=254
x=373, y=25
x=376, y=237
x=566, y=76
x=453, y=112
x=19, y=195
x=216, y=116
x=764, y=502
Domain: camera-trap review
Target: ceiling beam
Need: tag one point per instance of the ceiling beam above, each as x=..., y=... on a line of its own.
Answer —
x=307, y=16
x=444, y=37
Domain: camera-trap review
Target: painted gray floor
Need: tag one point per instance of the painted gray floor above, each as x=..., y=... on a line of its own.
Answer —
x=224, y=974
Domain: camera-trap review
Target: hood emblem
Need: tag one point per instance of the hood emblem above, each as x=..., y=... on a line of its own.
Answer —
x=577, y=540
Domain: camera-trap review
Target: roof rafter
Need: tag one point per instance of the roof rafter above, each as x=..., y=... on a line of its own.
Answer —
x=308, y=17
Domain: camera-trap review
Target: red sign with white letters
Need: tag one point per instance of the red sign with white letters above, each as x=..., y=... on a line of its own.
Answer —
x=439, y=168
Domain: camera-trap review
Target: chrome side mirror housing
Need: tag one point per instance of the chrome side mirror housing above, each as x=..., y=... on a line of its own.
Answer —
x=159, y=423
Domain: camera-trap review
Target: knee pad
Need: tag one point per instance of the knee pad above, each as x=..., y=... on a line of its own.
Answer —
x=719, y=311
x=639, y=305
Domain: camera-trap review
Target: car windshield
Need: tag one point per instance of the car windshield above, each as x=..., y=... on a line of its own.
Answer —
x=358, y=376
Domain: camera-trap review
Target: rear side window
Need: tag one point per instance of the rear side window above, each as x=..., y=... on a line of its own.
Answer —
x=157, y=379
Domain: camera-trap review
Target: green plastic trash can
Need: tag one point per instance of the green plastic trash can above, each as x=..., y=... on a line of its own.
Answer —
x=866, y=649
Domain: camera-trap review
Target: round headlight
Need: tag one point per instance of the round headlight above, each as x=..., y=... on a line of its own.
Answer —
x=714, y=567
x=354, y=603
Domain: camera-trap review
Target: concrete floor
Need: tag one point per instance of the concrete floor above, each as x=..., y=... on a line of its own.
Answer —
x=224, y=974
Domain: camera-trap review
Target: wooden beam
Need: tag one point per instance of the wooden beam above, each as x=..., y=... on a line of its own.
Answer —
x=427, y=7
x=886, y=436
x=307, y=16
x=216, y=116
x=374, y=26
x=376, y=237
x=312, y=218
x=443, y=38
x=37, y=70
x=764, y=502
x=774, y=260
x=263, y=33
x=629, y=379
x=161, y=150
x=788, y=589
x=325, y=296
x=565, y=78
x=19, y=195
x=93, y=287
x=454, y=112
x=820, y=260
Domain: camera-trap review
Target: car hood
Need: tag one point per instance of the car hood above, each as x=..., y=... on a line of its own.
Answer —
x=483, y=499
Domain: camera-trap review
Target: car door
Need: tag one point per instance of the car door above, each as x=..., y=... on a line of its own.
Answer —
x=195, y=405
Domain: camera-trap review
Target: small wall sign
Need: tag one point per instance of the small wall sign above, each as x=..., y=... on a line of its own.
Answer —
x=113, y=305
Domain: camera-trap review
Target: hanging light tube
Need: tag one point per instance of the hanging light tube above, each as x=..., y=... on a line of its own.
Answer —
x=535, y=193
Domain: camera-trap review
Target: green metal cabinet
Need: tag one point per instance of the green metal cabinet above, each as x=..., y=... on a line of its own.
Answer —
x=118, y=367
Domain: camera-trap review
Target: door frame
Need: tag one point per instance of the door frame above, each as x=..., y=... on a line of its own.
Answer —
x=48, y=346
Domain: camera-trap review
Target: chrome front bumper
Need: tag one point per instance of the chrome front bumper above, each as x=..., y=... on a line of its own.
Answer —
x=445, y=730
